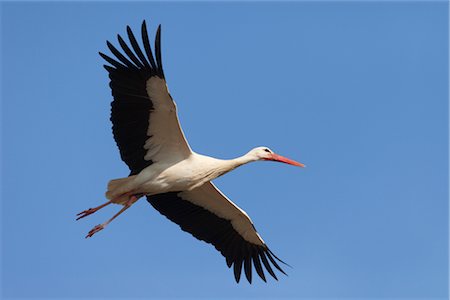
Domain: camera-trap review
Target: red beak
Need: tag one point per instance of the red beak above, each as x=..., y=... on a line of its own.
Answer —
x=276, y=157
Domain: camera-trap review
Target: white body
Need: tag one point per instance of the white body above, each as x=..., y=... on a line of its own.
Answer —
x=184, y=175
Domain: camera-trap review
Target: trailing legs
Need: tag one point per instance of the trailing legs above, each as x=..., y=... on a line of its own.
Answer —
x=132, y=198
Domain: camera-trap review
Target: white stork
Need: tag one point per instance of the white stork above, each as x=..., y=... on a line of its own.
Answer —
x=175, y=179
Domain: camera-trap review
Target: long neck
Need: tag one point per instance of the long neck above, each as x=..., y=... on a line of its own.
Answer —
x=237, y=162
x=222, y=166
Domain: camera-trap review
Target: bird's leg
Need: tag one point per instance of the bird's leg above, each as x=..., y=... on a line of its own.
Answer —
x=90, y=211
x=117, y=200
x=131, y=201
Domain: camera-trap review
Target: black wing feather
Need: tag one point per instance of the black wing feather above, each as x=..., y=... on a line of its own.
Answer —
x=131, y=107
x=158, y=50
x=136, y=47
x=147, y=47
x=248, y=266
x=272, y=260
x=114, y=62
x=206, y=226
x=120, y=56
x=266, y=264
x=130, y=53
x=237, y=270
x=257, y=264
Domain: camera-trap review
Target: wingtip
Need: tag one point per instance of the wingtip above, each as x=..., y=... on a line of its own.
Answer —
x=280, y=260
x=103, y=55
x=158, y=52
x=272, y=260
x=229, y=262
x=110, y=45
x=158, y=33
x=237, y=269
x=108, y=68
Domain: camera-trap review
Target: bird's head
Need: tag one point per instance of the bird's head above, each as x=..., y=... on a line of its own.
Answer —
x=264, y=153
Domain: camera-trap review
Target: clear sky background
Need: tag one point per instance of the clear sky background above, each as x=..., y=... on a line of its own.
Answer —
x=356, y=91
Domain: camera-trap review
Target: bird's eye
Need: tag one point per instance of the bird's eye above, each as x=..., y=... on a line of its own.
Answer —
x=267, y=150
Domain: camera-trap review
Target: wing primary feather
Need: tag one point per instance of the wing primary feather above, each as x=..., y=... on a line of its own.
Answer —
x=273, y=254
x=112, y=61
x=147, y=47
x=109, y=68
x=130, y=53
x=238, y=263
x=237, y=270
x=257, y=264
x=229, y=261
x=248, y=265
x=236, y=248
x=120, y=56
x=267, y=264
x=136, y=47
x=158, y=51
x=275, y=263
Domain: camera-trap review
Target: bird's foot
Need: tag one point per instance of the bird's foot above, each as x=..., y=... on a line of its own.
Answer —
x=90, y=211
x=95, y=230
x=130, y=201
x=86, y=213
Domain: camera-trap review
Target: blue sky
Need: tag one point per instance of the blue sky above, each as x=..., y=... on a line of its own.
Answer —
x=358, y=91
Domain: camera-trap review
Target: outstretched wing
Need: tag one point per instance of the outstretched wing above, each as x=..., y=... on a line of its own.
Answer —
x=210, y=216
x=143, y=114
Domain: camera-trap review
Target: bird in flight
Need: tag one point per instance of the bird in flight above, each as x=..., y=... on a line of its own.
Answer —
x=163, y=168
